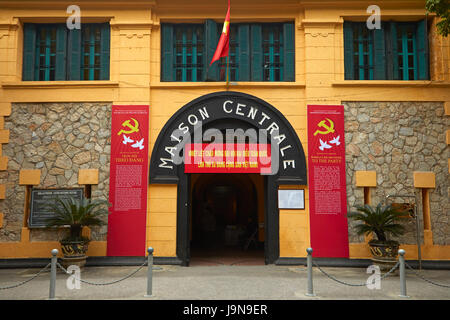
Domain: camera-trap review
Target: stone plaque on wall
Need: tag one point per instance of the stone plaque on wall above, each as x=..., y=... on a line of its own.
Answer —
x=42, y=198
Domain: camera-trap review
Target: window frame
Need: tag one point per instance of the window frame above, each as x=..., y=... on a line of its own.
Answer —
x=360, y=67
x=69, y=53
x=92, y=54
x=48, y=55
x=196, y=66
x=388, y=56
x=246, y=56
x=403, y=28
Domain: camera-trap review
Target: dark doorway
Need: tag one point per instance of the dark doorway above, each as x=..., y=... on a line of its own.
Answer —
x=227, y=219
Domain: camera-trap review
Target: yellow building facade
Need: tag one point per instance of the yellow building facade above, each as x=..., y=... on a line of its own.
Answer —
x=377, y=164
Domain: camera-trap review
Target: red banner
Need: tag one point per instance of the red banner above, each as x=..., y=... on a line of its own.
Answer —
x=227, y=158
x=327, y=181
x=128, y=181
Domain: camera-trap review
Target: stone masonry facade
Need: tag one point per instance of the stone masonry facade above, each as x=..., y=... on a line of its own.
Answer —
x=395, y=139
x=58, y=139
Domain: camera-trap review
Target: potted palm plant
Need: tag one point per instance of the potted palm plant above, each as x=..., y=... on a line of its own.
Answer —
x=76, y=213
x=381, y=221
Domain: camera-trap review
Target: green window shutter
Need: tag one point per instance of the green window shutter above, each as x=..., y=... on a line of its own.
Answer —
x=289, y=51
x=348, y=51
x=211, y=41
x=379, y=54
x=61, y=52
x=167, y=44
x=257, y=53
x=243, y=38
x=105, y=40
x=29, y=47
x=422, y=50
x=394, y=51
x=74, y=55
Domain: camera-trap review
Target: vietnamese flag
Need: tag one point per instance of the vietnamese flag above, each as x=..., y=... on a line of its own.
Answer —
x=224, y=41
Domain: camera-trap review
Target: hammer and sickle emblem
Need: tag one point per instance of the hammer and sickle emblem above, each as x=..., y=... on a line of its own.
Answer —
x=328, y=128
x=133, y=128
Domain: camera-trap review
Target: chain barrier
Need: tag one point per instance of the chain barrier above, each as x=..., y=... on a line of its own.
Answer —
x=425, y=279
x=351, y=284
x=105, y=283
x=26, y=281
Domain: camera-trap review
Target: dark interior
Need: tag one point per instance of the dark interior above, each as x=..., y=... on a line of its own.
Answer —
x=224, y=219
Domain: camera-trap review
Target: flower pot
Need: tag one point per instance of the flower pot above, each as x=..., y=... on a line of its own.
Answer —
x=74, y=253
x=384, y=255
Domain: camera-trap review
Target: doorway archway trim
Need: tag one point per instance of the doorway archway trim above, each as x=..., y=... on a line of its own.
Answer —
x=234, y=106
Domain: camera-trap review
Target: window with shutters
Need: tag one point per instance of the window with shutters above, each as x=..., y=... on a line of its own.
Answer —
x=188, y=53
x=91, y=53
x=53, y=52
x=258, y=52
x=406, y=52
x=363, y=53
x=272, y=52
x=397, y=51
x=45, y=53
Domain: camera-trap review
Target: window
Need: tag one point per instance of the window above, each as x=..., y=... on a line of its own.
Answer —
x=45, y=53
x=363, y=53
x=397, y=51
x=272, y=52
x=53, y=52
x=188, y=53
x=406, y=51
x=91, y=55
x=258, y=52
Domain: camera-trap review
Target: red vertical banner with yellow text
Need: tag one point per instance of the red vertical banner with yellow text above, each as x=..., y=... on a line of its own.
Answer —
x=128, y=180
x=327, y=181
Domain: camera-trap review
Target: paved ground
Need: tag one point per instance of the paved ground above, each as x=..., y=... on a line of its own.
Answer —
x=222, y=282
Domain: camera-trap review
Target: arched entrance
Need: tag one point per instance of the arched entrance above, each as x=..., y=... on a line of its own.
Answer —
x=242, y=113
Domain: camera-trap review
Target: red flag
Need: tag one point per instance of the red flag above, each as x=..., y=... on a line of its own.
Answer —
x=224, y=41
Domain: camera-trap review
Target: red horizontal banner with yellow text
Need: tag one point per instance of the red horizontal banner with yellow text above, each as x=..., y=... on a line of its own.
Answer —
x=227, y=158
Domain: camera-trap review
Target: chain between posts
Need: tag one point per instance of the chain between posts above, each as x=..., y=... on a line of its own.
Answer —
x=425, y=279
x=355, y=285
x=26, y=281
x=105, y=283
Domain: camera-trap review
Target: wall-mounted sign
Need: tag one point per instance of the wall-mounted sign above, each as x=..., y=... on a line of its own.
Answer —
x=243, y=115
x=327, y=185
x=291, y=199
x=128, y=180
x=41, y=199
x=227, y=158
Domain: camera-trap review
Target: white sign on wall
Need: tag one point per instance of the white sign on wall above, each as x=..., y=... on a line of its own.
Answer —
x=291, y=199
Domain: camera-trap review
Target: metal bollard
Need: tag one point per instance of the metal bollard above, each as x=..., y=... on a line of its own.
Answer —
x=402, y=294
x=149, y=272
x=53, y=275
x=310, y=292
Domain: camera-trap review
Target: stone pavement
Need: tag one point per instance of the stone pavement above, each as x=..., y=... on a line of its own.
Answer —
x=222, y=282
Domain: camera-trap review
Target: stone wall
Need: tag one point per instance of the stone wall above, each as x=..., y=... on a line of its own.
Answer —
x=58, y=139
x=395, y=139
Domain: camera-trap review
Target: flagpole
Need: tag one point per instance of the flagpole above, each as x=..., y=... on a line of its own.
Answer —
x=228, y=70
x=228, y=55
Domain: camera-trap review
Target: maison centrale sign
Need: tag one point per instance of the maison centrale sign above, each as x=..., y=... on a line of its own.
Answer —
x=228, y=119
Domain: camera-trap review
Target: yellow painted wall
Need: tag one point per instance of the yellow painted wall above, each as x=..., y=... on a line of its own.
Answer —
x=294, y=228
x=135, y=79
x=162, y=219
